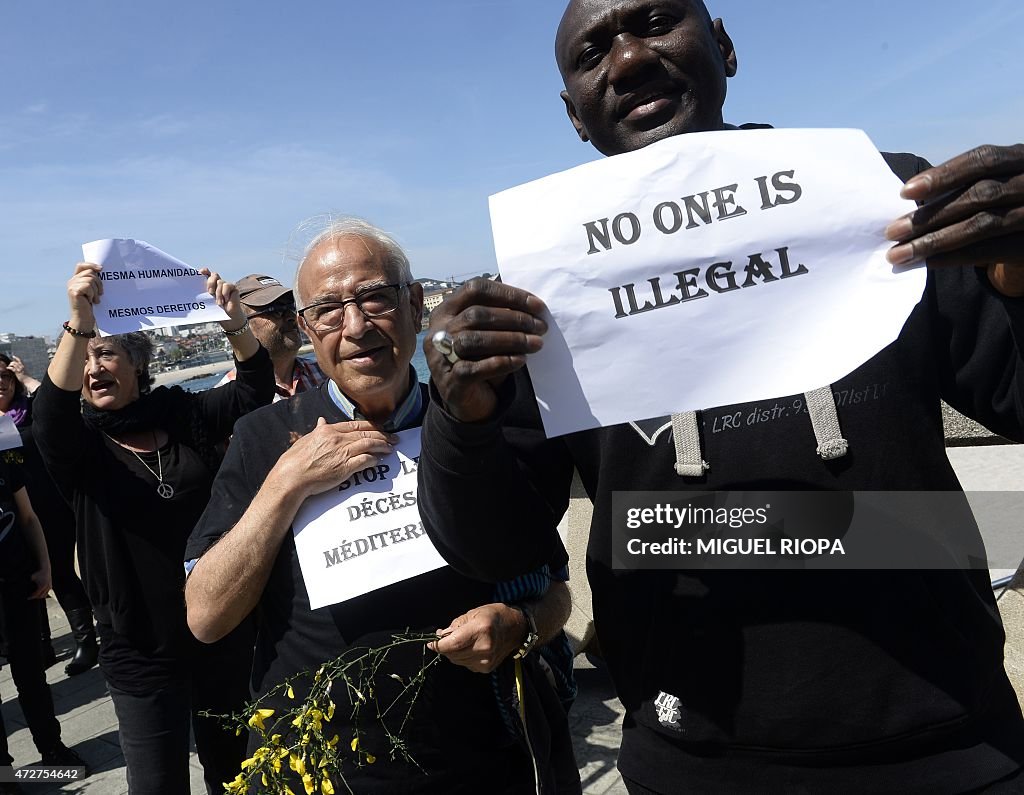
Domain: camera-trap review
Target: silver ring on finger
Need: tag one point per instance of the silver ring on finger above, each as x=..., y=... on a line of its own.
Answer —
x=444, y=344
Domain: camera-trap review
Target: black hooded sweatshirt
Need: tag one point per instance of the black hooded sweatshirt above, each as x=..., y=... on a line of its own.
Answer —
x=773, y=681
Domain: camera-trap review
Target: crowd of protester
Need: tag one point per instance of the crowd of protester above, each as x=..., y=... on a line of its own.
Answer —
x=135, y=468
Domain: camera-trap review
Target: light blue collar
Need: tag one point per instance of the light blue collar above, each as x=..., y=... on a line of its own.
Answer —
x=407, y=415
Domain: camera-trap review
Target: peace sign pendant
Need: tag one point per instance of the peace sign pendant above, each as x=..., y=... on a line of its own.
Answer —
x=165, y=490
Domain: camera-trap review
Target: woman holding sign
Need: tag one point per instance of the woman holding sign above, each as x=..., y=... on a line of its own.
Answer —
x=136, y=465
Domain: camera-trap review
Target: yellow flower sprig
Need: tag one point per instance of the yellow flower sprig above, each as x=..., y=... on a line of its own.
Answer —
x=294, y=745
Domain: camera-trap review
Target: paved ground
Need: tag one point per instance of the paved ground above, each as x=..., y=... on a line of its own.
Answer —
x=596, y=723
x=90, y=727
x=87, y=722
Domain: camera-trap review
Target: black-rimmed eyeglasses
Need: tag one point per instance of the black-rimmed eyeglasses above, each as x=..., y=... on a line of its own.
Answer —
x=375, y=302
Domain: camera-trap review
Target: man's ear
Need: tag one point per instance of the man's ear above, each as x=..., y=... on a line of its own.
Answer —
x=726, y=47
x=416, y=303
x=570, y=109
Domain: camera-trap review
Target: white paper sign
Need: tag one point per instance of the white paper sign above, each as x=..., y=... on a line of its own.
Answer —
x=9, y=436
x=705, y=270
x=366, y=533
x=145, y=289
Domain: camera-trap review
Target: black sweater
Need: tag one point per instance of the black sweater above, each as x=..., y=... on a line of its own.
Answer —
x=455, y=732
x=131, y=541
x=788, y=680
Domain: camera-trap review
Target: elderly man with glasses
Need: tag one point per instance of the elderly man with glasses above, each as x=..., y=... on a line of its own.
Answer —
x=362, y=310
x=270, y=309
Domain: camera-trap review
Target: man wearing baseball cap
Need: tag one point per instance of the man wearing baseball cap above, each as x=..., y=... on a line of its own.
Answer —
x=270, y=307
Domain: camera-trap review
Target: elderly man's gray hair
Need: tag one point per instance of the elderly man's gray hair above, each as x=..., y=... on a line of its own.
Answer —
x=331, y=227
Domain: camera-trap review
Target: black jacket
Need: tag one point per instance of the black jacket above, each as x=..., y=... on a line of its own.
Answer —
x=760, y=680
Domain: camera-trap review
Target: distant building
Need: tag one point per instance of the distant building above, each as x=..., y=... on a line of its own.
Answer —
x=166, y=347
x=197, y=330
x=430, y=285
x=436, y=290
x=433, y=299
x=31, y=350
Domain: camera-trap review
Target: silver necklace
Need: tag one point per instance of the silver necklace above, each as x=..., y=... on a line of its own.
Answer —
x=165, y=490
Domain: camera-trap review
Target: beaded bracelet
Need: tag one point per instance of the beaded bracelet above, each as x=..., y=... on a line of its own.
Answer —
x=238, y=331
x=78, y=333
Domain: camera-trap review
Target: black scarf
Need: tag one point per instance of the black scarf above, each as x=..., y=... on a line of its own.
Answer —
x=154, y=410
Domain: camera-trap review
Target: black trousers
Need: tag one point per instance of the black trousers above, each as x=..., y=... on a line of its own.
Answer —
x=220, y=685
x=153, y=730
x=154, y=725
x=20, y=625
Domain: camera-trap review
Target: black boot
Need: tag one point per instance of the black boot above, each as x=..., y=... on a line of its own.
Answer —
x=86, y=649
x=62, y=756
x=49, y=655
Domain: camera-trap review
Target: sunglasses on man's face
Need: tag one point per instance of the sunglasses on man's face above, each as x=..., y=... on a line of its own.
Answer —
x=281, y=309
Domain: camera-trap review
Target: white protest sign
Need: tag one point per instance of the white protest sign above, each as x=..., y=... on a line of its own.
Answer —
x=366, y=533
x=145, y=289
x=705, y=270
x=9, y=436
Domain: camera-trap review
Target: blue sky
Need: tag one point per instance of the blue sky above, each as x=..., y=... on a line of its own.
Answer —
x=210, y=129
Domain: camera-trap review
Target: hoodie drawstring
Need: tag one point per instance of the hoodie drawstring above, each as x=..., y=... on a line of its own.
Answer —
x=686, y=436
x=821, y=404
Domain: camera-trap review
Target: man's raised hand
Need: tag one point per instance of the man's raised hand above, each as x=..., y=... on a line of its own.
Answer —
x=972, y=213
x=493, y=327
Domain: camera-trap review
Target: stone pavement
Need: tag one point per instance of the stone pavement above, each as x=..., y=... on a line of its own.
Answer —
x=89, y=726
x=87, y=720
x=596, y=724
